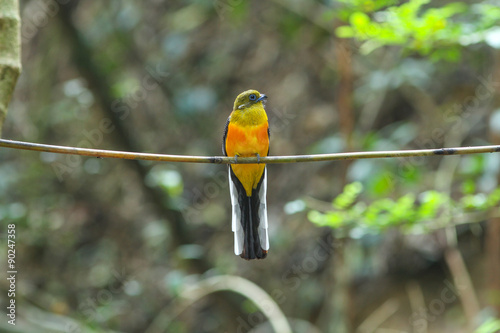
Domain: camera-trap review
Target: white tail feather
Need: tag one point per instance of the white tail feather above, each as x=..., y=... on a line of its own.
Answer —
x=236, y=216
x=264, y=238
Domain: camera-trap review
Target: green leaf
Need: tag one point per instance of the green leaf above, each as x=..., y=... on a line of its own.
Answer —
x=382, y=183
x=468, y=187
x=403, y=209
x=359, y=20
x=438, y=33
x=413, y=215
x=345, y=31
x=317, y=218
x=431, y=202
x=336, y=219
x=491, y=325
x=348, y=196
x=494, y=198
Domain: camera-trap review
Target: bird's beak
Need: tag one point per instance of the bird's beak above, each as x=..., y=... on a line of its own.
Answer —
x=261, y=98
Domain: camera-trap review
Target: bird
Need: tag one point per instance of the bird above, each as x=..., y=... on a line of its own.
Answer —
x=246, y=134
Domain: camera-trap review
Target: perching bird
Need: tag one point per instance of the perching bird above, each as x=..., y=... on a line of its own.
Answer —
x=247, y=134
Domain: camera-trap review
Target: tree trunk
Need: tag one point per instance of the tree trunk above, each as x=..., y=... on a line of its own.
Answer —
x=10, y=53
x=492, y=245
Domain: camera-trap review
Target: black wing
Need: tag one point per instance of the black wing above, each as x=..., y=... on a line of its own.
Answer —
x=269, y=137
x=224, y=136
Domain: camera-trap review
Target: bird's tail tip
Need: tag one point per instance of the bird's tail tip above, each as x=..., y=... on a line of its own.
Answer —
x=250, y=256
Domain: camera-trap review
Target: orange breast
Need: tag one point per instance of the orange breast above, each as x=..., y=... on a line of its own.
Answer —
x=247, y=141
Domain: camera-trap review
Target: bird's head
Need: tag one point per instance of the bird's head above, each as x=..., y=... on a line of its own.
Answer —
x=248, y=98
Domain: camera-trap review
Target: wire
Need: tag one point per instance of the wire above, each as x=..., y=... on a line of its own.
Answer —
x=245, y=160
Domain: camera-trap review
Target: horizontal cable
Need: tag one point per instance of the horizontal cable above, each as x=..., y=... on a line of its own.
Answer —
x=245, y=160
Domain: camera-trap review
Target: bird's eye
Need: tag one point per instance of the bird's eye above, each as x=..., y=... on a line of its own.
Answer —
x=252, y=97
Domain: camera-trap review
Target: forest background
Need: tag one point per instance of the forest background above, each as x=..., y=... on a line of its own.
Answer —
x=390, y=245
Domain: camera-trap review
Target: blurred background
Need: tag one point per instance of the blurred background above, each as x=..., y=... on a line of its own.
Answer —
x=387, y=245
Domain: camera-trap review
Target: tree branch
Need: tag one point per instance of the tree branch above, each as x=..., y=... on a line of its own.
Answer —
x=83, y=56
x=194, y=292
x=10, y=50
x=246, y=160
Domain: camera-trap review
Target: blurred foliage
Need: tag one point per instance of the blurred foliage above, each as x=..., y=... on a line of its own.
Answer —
x=413, y=213
x=438, y=33
x=99, y=253
x=489, y=326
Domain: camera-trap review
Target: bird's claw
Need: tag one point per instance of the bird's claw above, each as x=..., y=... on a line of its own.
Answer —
x=258, y=158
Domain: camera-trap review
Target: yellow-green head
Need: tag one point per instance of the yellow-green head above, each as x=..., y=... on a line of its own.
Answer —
x=248, y=98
